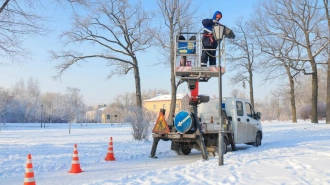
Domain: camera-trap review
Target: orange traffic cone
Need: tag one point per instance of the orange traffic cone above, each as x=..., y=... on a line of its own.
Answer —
x=75, y=161
x=29, y=175
x=110, y=156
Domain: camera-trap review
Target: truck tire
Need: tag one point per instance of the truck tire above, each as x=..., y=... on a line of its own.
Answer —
x=184, y=150
x=224, y=149
x=257, y=142
x=225, y=145
x=177, y=152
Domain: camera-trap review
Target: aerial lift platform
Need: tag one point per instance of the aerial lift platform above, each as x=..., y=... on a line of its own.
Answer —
x=187, y=69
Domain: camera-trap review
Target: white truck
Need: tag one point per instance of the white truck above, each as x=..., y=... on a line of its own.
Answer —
x=241, y=124
x=240, y=120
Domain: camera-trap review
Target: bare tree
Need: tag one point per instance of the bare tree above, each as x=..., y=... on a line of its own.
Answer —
x=18, y=21
x=242, y=57
x=277, y=51
x=59, y=108
x=141, y=123
x=5, y=99
x=267, y=110
x=307, y=17
x=24, y=103
x=121, y=104
x=322, y=80
x=74, y=104
x=327, y=14
x=177, y=16
x=303, y=85
x=238, y=94
x=25, y=99
x=305, y=112
x=234, y=93
x=48, y=101
x=118, y=29
x=276, y=104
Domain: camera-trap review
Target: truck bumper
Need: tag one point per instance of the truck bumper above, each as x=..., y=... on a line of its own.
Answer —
x=174, y=136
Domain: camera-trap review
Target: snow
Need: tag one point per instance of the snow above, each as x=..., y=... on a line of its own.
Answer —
x=291, y=153
x=166, y=97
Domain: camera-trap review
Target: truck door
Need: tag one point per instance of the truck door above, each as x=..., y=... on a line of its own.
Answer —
x=252, y=124
x=240, y=133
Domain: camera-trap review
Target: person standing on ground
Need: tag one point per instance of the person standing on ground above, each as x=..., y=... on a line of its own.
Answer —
x=208, y=41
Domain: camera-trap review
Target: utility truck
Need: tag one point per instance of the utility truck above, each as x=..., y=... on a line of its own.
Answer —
x=201, y=128
x=241, y=125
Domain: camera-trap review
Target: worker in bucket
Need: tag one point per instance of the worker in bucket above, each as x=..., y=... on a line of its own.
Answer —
x=208, y=41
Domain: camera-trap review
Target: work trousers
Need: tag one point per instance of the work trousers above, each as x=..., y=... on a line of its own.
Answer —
x=208, y=55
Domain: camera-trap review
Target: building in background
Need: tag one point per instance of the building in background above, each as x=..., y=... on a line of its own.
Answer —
x=102, y=114
x=164, y=101
x=95, y=116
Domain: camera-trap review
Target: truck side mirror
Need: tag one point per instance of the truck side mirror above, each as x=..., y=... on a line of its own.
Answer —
x=258, y=115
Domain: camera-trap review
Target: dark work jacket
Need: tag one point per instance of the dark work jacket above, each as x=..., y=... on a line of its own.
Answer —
x=207, y=41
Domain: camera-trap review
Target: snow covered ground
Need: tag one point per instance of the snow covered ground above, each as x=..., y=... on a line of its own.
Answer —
x=290, y=154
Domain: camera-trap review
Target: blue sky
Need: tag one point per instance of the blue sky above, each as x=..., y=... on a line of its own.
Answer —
x=90, y=77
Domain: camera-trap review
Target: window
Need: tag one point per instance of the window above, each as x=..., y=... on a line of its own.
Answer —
x=155, y=107
x=164, y=106
x=239, y=108
x=249, y=110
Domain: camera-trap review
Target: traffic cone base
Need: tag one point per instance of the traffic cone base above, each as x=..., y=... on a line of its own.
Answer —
x=75, y=168
x=110, y=156
x=29, y=174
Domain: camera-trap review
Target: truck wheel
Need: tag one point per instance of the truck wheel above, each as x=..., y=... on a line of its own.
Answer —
x=184, y=150
x=224, y=149
x=257, y=142
x=225, y=144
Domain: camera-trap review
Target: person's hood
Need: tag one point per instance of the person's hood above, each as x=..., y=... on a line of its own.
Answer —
x=215, y=14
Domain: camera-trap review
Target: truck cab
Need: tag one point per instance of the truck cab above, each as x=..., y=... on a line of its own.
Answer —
x=239, y=118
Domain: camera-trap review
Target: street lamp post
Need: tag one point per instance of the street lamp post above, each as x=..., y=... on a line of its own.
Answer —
x=218, y=31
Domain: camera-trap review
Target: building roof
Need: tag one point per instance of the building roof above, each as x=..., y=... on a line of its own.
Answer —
x=165, y=97
x=102, y=108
